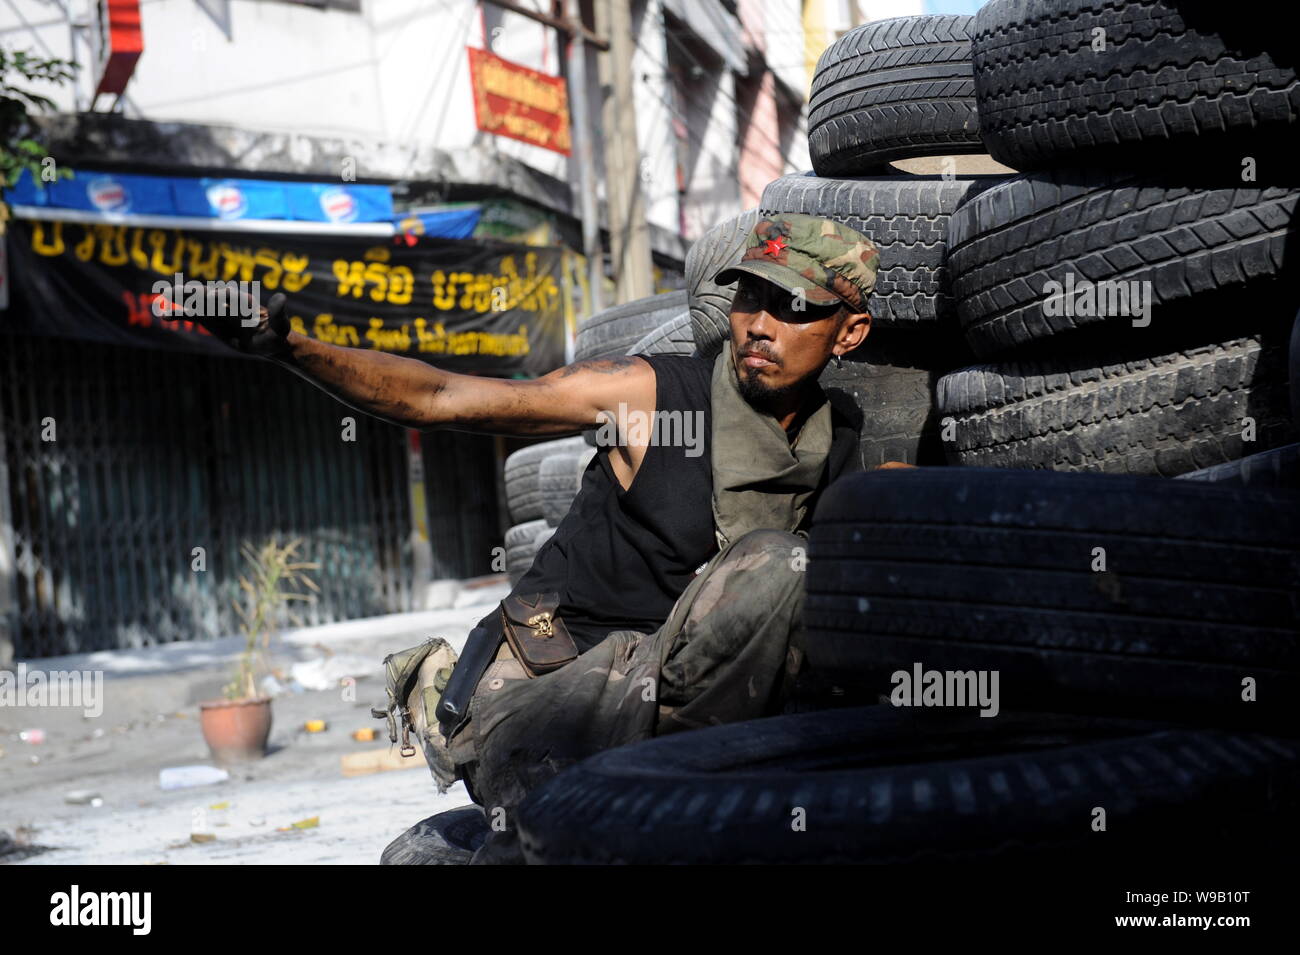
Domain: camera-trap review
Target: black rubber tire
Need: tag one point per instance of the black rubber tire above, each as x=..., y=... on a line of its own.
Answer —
x=907, y=217
x=890, y=381
x=673, y=337
x=561, y=476
x=1293, y=363
x=885, y=784
x=522, y=543
x=1008, y=242
x=611, y=332
x=1279, y=467
x=1184, y=79
x=985, y=569
x=523, y=476
x=893, y=89
x=710, y=303
x=1163, y=415
x=449, y=838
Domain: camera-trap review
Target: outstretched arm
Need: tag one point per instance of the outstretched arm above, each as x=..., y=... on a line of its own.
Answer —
x=413, y=394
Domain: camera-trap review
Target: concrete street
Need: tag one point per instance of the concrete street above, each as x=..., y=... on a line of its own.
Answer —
x=150, y=721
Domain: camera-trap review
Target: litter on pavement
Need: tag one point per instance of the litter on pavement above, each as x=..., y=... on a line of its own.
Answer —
x=185, y=777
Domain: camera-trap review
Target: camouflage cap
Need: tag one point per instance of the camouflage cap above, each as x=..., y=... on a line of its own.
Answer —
x=825, y=259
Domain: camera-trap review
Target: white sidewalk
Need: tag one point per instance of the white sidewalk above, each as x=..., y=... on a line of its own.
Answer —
x=358, y=817
x=150, y=722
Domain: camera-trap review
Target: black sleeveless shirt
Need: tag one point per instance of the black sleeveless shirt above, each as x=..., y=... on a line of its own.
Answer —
x=621, y=558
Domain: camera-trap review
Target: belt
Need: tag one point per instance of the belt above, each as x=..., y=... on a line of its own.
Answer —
x=480, y=650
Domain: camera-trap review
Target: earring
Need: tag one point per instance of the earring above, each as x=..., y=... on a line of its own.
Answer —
x=839, y=362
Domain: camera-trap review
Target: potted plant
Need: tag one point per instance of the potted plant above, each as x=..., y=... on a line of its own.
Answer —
x=236, y=727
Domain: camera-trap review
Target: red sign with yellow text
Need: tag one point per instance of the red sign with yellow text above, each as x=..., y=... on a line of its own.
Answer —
x=512, y=100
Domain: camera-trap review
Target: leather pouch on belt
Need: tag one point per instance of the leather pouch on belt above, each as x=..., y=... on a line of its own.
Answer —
x=538, y=638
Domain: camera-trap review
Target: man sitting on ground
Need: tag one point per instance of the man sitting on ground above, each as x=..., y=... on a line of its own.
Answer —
x=676, y=574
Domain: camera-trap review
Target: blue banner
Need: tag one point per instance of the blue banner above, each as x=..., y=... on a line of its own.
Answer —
x=447, y=224
x=228, y=199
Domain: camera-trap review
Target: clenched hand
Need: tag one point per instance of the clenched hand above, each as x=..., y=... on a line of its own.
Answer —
x=253, y=329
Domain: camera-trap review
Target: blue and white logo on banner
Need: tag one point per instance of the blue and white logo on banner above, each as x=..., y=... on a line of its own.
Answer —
x=339, y=205
x=108, y=194
x=227, y=200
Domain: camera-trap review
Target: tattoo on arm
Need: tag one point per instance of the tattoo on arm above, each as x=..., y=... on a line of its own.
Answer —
x=601, y=366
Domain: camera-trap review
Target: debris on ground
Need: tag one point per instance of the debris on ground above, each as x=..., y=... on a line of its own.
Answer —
x=218, y=814
x=19, y=846
x=376, y=761
x=312, y=822
x=364, y=735
x=324, y=673
x=441, y=595
x=184, y=777
x=315, y=726
x=83, y=797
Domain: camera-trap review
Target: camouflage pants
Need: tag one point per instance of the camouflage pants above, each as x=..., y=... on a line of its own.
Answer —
x=729, y=651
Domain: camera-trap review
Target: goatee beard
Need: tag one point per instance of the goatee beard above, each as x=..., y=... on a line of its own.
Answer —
x=758, y=394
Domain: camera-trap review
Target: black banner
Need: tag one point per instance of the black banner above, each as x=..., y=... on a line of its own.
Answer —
x=487, y=308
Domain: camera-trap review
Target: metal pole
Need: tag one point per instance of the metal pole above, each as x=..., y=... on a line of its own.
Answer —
x=629, y=232
x=421, y=547
x=572, y=25
x=8, y=556
x=8, y=551
x=576, y=50
x=8, y=601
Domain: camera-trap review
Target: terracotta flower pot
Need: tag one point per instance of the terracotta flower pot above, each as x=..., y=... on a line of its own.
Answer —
x=236, y=730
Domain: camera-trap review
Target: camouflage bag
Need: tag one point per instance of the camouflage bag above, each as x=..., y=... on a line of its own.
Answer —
x=414, y=680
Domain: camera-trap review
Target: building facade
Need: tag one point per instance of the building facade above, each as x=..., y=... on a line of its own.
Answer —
x=157, y=454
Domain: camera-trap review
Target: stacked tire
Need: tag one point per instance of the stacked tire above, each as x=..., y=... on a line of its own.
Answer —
x=541, y=481
x=893, y=90
x=884, y=785
x=912, y=342
x=1098, y=594
x=1172, y=80
x=709, y=304
x=1129, y=669
x=448, y=838
x=617, y=331
x=1133, y=308
x=1141, y=636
